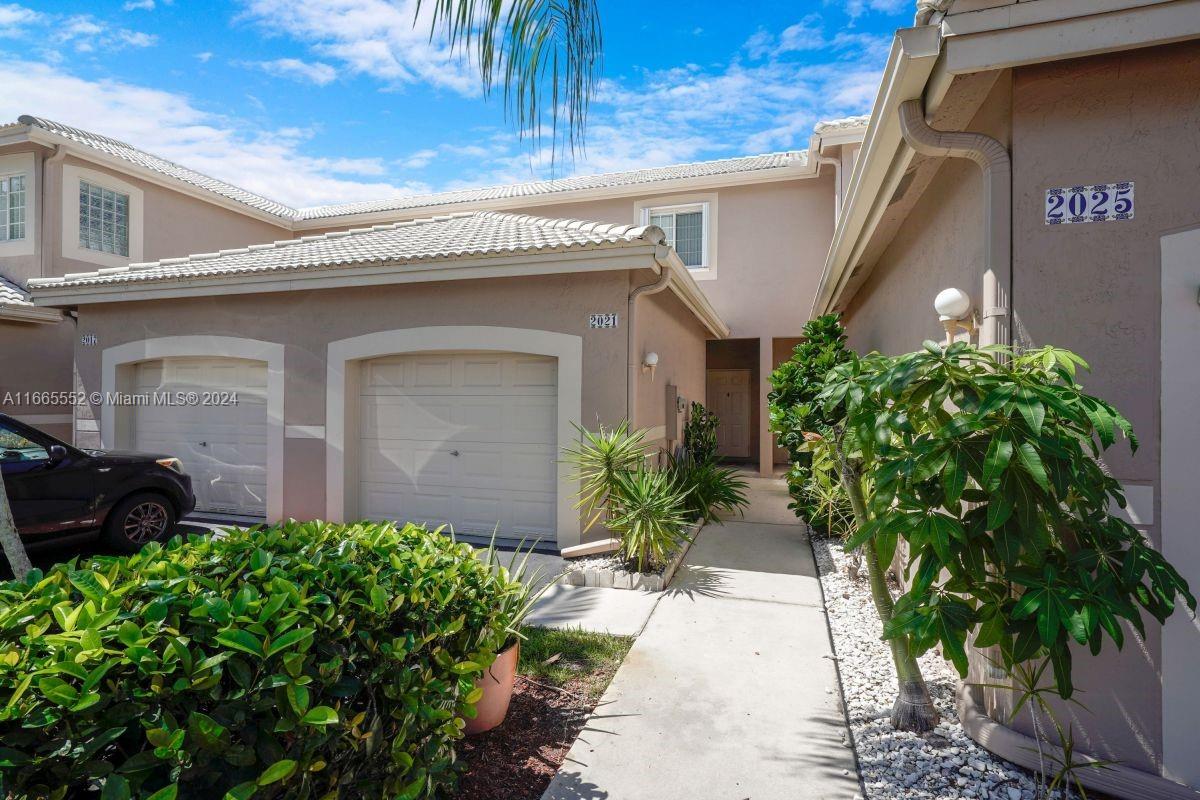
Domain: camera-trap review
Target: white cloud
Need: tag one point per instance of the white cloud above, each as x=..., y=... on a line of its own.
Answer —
x=373, y=37
x=87, y=34
x=204, y=57
x=13, y=18
x=270, y=162
x=139, y=5
x=295, y=69
x=856, y=8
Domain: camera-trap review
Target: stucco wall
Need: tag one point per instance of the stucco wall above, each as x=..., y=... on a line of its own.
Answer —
x=306, y=322
x=940, y=245
x=36, y=358
x=665, y=326
x=174, y=224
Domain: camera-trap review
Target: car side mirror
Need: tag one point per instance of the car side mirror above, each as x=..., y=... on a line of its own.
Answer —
x=57, y=453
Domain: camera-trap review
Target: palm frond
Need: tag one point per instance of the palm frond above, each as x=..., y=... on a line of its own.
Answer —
x=532, y=48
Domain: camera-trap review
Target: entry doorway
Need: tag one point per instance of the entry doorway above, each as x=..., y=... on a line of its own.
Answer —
x=728, y=393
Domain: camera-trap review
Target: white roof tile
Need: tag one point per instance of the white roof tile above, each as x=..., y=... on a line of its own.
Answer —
x=11, y=294
x=482, y=233
x=515, y=191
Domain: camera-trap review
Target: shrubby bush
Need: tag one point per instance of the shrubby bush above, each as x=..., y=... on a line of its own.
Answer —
x=306, y=660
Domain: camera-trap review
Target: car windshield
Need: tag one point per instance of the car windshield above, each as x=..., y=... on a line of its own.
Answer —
x=15, y=447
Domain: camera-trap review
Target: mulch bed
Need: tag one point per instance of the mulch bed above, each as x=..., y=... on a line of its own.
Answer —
x=517, y=760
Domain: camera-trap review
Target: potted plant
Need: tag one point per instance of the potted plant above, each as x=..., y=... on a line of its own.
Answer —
x=495, y=686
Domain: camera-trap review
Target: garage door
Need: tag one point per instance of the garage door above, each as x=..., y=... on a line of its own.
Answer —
x=465, y=439
x=222, y=446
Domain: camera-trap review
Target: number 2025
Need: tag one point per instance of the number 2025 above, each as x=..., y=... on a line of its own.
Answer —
x=1099, y=203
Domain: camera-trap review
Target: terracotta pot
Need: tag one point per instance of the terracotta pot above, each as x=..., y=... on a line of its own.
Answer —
x=497, y=685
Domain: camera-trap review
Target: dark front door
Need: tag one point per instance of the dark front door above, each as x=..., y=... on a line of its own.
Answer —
x=47, y=494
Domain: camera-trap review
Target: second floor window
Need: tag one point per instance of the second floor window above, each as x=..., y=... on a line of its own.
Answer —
x=103, y=219
x=12, y=208
x=686, y=228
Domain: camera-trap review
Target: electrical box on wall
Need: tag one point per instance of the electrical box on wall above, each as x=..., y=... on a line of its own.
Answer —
x=672, y=416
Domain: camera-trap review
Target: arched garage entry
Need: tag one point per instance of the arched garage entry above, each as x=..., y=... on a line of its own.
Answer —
x=458, y=424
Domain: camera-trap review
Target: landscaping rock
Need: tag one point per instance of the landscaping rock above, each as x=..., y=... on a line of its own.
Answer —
x=942, y=765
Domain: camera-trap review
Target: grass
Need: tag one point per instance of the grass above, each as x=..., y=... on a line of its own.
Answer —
x=561, y=657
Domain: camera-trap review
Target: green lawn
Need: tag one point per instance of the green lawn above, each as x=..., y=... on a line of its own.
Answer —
x=558, y=658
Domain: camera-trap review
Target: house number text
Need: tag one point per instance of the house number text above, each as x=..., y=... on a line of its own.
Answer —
x=602, y=321
x=1103, y=202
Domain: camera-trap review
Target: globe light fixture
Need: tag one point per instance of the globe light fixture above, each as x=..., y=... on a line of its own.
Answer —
x=649, y=362
x=953, y=307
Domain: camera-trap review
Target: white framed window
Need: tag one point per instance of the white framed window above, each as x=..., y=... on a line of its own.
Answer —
x=690, y=225
x=18, y=204
x=102, y=217
x=12, y=207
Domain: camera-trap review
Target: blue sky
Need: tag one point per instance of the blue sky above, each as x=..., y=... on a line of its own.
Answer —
x=315, y=101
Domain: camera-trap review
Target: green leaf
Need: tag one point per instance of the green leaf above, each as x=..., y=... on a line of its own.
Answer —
x=1028, y=457
x=290, y=639
x=243, y=791
x=278, y=771
x=1032, y=409
x=954, y=478
x=116, y=787
x=241, y=640
x=999, y=509
x=320, y=715
x=999, y=454
x=166, y=793
x=89, y=585
x=58, y=691
x=298, y=698
x=205, y=729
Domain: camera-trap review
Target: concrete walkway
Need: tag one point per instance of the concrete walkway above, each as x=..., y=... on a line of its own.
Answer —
x=729, y=693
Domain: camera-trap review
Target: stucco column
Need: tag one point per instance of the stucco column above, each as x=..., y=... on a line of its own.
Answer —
x=766, y=445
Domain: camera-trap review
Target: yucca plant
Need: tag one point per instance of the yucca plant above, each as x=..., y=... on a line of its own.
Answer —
x=598, y=458
x=712, y=489
x=648, y=510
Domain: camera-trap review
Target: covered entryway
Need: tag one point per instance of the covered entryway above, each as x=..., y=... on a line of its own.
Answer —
x=211, y=413
x=466, y=439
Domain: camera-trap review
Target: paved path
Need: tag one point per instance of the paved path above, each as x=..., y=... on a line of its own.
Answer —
x=729, y=692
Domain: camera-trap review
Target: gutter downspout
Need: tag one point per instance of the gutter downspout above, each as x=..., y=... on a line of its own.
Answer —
x=47, y=242
x=664, y=280
x=836, y=163
x=992, y=157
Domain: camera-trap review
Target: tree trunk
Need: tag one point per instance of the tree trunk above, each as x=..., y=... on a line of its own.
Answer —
x=913, y=710
x=10, y=541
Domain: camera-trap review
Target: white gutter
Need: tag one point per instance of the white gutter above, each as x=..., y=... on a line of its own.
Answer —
x=46, y=245
x=836, y=163
x=881, y=162
x=635, y=361
x=992, y=157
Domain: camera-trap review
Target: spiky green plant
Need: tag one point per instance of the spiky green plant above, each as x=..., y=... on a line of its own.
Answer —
x=648, y=510
x=712, y=489
x=598, y=458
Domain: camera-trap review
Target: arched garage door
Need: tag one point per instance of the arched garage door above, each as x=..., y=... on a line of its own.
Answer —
x=223, y=446
x=465, y=439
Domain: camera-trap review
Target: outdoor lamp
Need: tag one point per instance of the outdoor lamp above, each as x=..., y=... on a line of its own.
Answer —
x=954, y=311
x=649, y=363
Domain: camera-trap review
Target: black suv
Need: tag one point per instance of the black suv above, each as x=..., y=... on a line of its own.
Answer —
x=57, y=491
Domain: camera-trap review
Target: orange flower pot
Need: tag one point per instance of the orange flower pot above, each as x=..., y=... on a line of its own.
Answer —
x=497, y=683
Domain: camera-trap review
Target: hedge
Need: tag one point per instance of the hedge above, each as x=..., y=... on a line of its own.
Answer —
x=305, y=660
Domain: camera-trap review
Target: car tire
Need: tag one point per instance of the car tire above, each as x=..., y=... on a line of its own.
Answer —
x=138, y=519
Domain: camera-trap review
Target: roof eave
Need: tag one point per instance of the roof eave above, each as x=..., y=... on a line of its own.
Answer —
x=688, y=291
x=29, y=313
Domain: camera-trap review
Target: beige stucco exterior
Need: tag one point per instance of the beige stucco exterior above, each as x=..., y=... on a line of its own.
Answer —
x=1092, y=288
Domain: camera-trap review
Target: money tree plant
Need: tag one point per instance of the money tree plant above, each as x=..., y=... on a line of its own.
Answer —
x=987, y=464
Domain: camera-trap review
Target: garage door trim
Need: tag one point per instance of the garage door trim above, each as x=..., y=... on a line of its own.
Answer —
x=128, y=355
x=342, y=390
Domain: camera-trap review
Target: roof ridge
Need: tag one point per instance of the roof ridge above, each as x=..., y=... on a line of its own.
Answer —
x=581, y=225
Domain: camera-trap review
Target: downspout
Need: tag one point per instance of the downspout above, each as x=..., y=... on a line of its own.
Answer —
x=635, y=363
x=836, y=163
x=992, y=157
x=47, y=243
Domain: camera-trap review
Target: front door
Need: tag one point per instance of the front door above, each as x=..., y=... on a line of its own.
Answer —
x=46, y=495
x=729, y=399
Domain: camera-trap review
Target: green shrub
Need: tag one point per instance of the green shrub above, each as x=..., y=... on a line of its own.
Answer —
x=700, y=435
x=596, y=461
x=648, y=511
x=712, y=490
x=307, y=660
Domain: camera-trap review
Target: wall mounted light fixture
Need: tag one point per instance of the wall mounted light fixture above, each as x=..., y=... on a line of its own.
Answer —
x=953, y=307
x=649, y=362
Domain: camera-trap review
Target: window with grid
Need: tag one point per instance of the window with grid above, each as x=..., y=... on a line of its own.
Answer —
x=12, y=208
x=685, y=228
x=103, y=219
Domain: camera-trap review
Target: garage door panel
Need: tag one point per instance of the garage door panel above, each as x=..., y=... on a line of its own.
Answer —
x=223, y=447
x=468, y=439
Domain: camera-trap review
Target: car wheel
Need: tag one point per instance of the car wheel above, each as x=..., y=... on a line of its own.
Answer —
x=137, y=520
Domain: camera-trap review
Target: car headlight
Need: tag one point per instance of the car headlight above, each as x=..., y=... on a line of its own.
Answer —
x=171, y=463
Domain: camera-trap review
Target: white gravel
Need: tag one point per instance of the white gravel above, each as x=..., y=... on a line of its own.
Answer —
x=942, y=765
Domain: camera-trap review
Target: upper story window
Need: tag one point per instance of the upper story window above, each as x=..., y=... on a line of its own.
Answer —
x=12, y=208
x=686, y=228
x=103, y=219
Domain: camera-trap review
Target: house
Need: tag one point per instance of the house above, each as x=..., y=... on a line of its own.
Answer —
x=423, y=357
x=1066, y=207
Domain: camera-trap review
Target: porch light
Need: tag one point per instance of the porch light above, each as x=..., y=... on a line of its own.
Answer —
x=649, y=363
x=953, y=307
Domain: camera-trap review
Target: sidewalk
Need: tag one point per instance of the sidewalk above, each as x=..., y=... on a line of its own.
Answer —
x=729, y=692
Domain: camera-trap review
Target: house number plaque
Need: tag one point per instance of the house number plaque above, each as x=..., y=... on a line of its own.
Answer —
x=602, y=321
x=1101, y=202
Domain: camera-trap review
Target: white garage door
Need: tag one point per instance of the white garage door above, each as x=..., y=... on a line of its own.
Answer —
x=222, y=446
x=465, y=439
